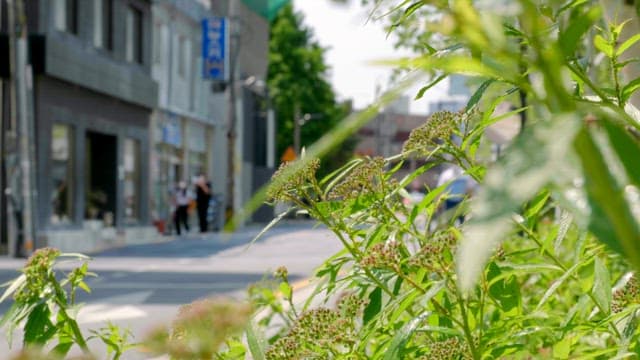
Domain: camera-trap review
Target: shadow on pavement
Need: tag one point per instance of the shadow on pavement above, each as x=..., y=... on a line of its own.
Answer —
x=158, y=288
x=196, y=247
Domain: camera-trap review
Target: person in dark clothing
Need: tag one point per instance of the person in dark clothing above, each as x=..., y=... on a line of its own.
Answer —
x=203, y=195
x=182, y=199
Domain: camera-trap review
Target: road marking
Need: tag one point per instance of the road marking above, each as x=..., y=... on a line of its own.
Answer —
x=170, y=286
x=102, y=313
x=124, y=308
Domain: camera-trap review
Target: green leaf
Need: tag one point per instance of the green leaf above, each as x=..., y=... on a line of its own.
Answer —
x=236, y=350
x=536, y=204
x=570, y=38
x=555, y=285
x=630, y=88
x=374, y=306
x=61, y=350
x=505, y=291
x=627, y=149
x=562, y=348
x=399, y=341
x=602, y=45
x=602, y=286
x=285, y=289
x=82, y=285
x=477, y=95
x=14, y=285
x=38, y=329
x=565, y=223
x=627, y=44
x=270, y=225
x=424, y=89
x=586, y=275
x=611, y=219
x=628, y=332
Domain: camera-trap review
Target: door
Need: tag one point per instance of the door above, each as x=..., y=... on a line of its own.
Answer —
x=101, y=175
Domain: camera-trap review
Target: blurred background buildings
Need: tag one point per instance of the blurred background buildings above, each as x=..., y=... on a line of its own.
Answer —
x=105, y=106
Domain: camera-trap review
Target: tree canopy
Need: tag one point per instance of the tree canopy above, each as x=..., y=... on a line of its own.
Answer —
x=297, y=78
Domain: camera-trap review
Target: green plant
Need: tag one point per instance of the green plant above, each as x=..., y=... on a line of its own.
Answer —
x=117, y=340
x=543, y=266
x=44, y=305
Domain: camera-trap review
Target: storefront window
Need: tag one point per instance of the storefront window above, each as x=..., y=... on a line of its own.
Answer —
x=131, y=180
x=61, y=174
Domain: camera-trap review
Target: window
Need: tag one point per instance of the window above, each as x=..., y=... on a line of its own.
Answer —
x=134, y=51
x=131, y=180
x=158, y=33
x=61, y=174
x=66, y=15
x=181, y=56
x=103, y=24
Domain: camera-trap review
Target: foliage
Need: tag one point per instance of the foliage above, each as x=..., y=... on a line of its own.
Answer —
x=542, y=267
x=297, y=80
x=44, y=306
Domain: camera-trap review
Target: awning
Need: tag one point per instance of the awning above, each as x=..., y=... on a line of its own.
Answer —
x=266, y=8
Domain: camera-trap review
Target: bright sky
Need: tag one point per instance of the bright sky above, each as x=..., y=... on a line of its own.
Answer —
x=353, y=43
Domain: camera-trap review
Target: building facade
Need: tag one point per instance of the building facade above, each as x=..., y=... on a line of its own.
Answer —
x=93, y=97
x=187, y=134
x=121, y=113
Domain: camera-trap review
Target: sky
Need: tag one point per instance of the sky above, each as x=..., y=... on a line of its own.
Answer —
x=353, y=43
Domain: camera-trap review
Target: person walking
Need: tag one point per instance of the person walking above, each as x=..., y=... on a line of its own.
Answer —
x=182, y=200
x=203, y=195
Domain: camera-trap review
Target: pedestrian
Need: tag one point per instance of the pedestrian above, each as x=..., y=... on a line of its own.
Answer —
x=203, y=195
x=182, y=199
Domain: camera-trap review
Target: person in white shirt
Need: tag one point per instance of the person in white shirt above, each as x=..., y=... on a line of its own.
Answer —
x=182, y=198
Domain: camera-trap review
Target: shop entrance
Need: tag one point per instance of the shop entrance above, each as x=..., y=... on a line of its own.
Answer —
x=101, y=170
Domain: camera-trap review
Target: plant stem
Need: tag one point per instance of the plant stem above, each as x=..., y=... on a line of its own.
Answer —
x=466, y=328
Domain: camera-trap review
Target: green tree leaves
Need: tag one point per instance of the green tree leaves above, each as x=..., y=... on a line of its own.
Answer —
x=298, y=84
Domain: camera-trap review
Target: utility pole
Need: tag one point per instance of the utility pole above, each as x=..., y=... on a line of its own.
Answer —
x=21, y=113
x=296, y=129
x=232, y=162
x=2, y=155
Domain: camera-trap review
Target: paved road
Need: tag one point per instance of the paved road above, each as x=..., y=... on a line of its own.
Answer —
x=142, y=286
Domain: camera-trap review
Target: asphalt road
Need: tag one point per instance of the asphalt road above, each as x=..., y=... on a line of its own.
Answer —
x=140, y=287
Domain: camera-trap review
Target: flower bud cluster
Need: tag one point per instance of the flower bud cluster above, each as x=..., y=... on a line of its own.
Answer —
x=383, y=255
x=286, y=183
x=366, y=178
x=432, y=255
x=627, y=295
x=37, y=272
x=450, y=349
x=439, y=127
x=313, y=335
x=282, y=273
x=350, y=305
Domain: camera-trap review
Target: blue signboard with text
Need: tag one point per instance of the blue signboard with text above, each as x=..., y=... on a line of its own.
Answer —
x=215, y=48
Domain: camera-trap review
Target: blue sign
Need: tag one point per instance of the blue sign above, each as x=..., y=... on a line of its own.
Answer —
x=171, y=133
x=214, y=48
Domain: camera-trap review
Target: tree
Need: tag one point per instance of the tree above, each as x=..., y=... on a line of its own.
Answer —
x=297, y=79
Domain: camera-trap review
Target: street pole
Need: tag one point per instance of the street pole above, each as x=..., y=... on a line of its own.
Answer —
x=271, y=131
x=232, y=166
x=296, y=129
x=21, y=111
x=2, y=155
